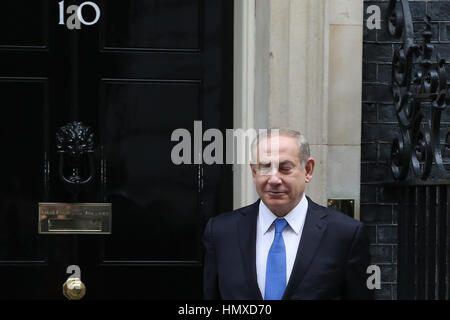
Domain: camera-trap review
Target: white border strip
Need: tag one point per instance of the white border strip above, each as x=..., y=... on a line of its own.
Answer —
x=244, y=91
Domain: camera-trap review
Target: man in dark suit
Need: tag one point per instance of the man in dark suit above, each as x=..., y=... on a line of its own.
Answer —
x=284, y=246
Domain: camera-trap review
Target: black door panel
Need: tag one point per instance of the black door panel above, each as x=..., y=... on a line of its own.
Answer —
x=143, y=70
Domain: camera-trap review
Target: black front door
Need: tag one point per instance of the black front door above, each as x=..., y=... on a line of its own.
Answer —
x=144, y=69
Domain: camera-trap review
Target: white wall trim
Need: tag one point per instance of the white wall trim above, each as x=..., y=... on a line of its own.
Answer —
x=244, y=88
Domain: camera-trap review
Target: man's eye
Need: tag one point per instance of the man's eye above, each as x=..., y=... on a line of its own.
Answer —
x=285, y=169
x=264, y=165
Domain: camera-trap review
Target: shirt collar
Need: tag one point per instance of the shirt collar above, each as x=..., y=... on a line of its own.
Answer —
x=295, y=218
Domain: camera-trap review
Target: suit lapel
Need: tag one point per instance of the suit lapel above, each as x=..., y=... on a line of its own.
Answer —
x=312, y=233
x=246, y=226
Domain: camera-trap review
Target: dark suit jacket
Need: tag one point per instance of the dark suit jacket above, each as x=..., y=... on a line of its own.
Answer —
x=331, y=260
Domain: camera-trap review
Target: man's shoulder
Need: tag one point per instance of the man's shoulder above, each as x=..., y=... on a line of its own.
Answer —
x=224, y=224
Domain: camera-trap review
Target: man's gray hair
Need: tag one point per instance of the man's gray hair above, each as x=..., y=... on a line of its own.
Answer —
x=302, y=143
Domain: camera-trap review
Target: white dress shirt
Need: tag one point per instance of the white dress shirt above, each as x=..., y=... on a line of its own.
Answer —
x=265, y=232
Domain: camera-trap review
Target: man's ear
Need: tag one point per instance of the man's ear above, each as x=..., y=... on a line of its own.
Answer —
x=253, y=168
x=309, y=168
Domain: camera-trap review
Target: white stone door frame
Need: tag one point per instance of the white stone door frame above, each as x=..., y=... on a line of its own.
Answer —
x=244, y=89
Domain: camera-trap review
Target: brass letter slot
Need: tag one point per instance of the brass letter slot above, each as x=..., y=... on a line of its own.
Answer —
x=74, y=218
x=68, y=225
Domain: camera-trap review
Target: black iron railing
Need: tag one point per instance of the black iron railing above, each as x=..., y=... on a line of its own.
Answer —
x=423, y=240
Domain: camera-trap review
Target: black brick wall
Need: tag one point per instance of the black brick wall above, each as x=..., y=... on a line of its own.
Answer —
x=379, y=127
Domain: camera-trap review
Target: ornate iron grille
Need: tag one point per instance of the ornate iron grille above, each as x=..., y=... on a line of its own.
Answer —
x=420, y=95
x=419, y=88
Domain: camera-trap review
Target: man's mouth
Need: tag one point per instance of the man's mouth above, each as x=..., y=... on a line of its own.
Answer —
x=275, y=193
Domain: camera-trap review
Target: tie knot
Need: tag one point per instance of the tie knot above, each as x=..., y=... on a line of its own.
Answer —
x=280, y=224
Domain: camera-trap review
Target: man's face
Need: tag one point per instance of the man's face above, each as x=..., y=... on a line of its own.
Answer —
x=279, y=176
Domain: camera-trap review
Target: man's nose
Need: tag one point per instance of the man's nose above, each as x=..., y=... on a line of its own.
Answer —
x=274, y=178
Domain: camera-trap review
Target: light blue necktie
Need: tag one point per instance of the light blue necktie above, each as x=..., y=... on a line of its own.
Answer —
x=276, y=264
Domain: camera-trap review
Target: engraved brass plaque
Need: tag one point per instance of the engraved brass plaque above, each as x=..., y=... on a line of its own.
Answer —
x=74, y=218
x=346, y=206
